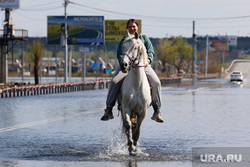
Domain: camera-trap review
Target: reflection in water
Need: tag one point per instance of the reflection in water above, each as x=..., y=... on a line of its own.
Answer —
x=193, y=101
x=8, y=163
x=7, y=113
x=132, y=163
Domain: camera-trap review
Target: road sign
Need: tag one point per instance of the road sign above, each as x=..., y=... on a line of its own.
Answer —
x=83, y=49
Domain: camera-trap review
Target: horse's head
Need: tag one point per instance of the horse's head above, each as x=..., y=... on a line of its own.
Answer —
x=134, y=52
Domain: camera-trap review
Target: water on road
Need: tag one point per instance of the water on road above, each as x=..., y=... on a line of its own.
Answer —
x=66, y=130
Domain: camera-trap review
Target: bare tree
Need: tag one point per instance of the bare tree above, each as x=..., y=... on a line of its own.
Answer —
x=36, y=51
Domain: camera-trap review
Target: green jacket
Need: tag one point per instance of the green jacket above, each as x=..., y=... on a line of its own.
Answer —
x=147, y=43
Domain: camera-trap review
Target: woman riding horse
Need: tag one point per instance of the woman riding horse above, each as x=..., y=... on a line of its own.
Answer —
x=119, y=76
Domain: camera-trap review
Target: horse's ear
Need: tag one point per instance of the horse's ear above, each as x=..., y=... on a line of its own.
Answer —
x=136, y=35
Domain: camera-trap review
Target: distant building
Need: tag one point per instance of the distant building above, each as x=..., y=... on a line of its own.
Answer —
x=51, y=64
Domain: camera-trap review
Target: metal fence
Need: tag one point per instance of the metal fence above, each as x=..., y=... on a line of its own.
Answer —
x=19, y=34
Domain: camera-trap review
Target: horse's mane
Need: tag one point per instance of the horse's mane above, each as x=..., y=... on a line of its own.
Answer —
x=133, y=41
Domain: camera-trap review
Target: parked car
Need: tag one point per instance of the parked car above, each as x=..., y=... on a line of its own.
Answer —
x=236, y=76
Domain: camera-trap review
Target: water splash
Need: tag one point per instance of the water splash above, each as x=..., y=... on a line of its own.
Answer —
x=118, y=149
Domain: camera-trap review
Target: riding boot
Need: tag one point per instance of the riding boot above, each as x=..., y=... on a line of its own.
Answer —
x=157, y=114
x=108, y=114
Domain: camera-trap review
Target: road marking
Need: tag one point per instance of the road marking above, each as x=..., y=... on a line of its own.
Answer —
x=199, y=88
x=11, y=128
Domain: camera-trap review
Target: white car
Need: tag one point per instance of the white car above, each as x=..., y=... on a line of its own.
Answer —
x=236, y=76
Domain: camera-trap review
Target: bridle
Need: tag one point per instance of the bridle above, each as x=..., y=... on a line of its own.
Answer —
x=132, y=60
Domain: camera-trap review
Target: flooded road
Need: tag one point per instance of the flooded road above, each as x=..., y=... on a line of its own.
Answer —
x=65, y=129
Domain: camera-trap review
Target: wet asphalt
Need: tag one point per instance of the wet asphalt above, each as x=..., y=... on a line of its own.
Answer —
x=65, y=129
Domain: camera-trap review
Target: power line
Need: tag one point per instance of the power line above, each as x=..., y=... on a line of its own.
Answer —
x=207, y=23
x=163, y=22
x=52, y=8
x=165, y=18
x=40, y=5
x=174, y=20
x=28, y=17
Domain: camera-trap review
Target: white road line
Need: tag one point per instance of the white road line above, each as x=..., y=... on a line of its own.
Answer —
x=46, y=121
x=199, y=88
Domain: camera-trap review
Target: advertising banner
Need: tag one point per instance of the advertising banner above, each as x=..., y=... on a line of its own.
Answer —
x=116, y=29
x=232, y=41
x=12, y=4
x=87, y=30
x=219, y=45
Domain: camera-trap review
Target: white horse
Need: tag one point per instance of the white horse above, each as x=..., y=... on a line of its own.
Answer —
x=135, y=94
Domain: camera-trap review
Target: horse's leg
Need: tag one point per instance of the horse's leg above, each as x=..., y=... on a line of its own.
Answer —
x=128, y=126
x=128, y=129
x=136, y=132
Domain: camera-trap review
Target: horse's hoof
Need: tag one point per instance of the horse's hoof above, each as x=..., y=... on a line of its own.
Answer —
x=132, y=148
x=132, y=153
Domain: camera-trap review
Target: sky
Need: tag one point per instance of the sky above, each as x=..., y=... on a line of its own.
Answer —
x=160, y=18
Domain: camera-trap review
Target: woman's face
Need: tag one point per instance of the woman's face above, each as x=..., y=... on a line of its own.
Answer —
x=132, y=28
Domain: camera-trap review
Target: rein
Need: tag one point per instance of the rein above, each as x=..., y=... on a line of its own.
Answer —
x=136, y=66
x=133, y=60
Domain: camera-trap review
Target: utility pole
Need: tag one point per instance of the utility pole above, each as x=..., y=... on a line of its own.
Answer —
x=66, y=42
x=206, y=59
x=84, y=66
x=55, y=56
x=9, y=34
x=194, y=54
x=4, y=46
x=223, y=57
x=84, y=51
x=70, y=62
x=22, y=62
x=96, y=63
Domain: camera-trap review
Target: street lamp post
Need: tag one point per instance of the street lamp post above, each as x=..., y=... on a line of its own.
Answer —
x=66, y=43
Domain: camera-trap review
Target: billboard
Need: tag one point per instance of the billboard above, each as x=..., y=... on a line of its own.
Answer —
x=219, y=45
x=12, y=4
x=87, y=30
x=116, y=29
x=232, y=40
